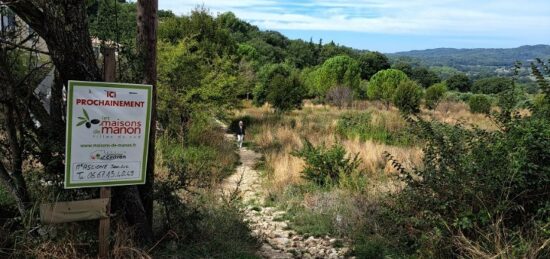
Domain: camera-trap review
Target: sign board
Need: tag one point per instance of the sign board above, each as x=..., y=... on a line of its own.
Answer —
x=62, y=212
x=107, y=134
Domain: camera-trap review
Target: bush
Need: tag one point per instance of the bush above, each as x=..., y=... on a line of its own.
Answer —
x=454, y=96
x=479, y=104
x=492, y=85
x=340, y=96
x=325, y=165
x=382, y=85
x=285, y=93
x=281, y=86
x=480, y=193
x=407, y=97
x=434, y=95
x=360, y=125
x=459, y=82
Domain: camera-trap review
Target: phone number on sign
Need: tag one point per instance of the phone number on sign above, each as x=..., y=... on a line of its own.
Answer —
x=107, y=175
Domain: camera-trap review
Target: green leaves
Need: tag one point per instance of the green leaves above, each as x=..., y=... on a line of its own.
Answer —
x=86, y=114
x=326, y=165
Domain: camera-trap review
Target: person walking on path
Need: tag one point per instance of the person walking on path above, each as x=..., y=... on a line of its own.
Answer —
x=240, y=134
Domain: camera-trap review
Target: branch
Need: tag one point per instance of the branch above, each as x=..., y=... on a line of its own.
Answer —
x=20, y=46
x=28, y=12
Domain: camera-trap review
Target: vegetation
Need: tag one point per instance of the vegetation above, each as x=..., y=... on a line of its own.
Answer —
x=460, y=58
x=459, y=179
x=491, y=85
x=383, y=84
x=434, y=95
x=479, y=104
x=372, y=62
x=326, y=165
x=459, y=82
x=337, y=71
x=485, y=191
x=407, y=97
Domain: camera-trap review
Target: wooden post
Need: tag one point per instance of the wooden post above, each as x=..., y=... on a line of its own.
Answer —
x=146, y=47
x=105, y=225
x=109, y=75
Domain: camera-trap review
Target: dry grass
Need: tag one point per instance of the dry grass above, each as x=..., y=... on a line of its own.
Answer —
x=455, y=112
x=277, y=137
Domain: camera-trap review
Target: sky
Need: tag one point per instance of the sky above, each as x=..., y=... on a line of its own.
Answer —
x=392, y=25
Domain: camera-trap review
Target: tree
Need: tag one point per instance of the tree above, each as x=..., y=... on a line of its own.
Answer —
x=407, y=97
x=72, y=54
x=491, y=85
x=459, y=82
x=404, y=67
x=285, y=93
x=146, y=48
x=383, y=84
x=17, y=73
x=64, y=28
x=301, y=54
x=434, y=94
x=338, y=71
x=372, y=62
x=280, y=85
x=479, y=103
x=424, y=76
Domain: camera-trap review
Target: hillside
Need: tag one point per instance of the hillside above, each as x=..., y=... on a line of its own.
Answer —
x=459, y=58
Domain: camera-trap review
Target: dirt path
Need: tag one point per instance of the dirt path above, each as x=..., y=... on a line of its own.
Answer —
x=278, y=241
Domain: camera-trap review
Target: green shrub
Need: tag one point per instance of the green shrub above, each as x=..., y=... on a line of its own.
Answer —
x=5, y=198
x=434, y=95
x=459, y=82
x=325, y=165
x=454, y=96
x=471, y=179
x=491, y=85
x=407, y=97
x=360, y=125
x=383, y=84
x=479, y=104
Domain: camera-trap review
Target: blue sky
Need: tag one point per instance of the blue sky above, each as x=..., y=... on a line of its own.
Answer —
x=390, y=26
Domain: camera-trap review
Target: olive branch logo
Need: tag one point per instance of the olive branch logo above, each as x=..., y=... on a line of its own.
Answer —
x=86, y=120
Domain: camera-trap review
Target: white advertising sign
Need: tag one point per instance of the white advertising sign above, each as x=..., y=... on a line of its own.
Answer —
x=107, y=134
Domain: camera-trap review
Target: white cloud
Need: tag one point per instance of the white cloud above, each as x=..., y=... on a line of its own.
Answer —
x=423, y=17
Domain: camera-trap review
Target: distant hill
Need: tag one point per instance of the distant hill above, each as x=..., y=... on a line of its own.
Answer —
x=460, y=58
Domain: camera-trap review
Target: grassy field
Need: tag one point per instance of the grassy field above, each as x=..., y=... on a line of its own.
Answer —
x=351, y=208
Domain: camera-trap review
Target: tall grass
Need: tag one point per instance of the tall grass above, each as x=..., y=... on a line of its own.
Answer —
x=356, y=207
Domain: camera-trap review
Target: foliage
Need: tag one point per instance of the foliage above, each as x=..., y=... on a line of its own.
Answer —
x=111, y=20
x=459, y=82
x=403, y=66
x=361, y=125
x=424, y=76
x=340, y=70
x=407, y=97
x=285, y=93
x=372, y=62
x=434, y=94
x=475, y=184
x=189, y=81
x=383, y=84
x=460, y=58
x=280, y=85
x=340, y=96
x=445, y=72
x=491, y=85
x=479, y=103
x=325, y=165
